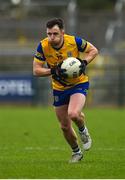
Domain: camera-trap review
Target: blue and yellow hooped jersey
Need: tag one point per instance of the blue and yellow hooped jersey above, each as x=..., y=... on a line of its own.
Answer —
x=72, y=47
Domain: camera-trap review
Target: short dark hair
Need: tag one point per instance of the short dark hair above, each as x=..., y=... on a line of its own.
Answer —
x=56, y=21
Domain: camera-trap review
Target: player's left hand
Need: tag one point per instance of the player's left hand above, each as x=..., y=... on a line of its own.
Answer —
x=82, y=66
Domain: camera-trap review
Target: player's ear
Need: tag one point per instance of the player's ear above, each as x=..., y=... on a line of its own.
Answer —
x=63, y=31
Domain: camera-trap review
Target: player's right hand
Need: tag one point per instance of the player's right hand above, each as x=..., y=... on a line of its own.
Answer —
x=54, y=71
x=57, y=71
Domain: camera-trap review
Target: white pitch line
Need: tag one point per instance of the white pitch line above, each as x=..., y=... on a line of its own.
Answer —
x=35, y=148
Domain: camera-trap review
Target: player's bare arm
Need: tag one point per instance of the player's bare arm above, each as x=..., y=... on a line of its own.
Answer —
x=40, y=70
x=90, y=53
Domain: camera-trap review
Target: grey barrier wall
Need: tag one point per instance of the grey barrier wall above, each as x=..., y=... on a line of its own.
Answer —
x=17, y=83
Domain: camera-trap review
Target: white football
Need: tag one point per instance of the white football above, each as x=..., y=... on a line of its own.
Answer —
x=71, y=65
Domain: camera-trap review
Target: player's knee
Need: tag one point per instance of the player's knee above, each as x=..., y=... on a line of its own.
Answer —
x=74, y=115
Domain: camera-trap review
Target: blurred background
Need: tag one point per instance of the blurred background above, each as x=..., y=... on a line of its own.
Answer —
x=22, y=26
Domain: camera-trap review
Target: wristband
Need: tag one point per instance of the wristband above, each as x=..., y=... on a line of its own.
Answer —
x=53, y=71
x=85, y=62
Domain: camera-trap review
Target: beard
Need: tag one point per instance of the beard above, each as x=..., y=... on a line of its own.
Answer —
x=57, y=44
x=54, y=44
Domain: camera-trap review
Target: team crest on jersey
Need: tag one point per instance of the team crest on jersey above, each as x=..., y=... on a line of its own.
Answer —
x=69, y=54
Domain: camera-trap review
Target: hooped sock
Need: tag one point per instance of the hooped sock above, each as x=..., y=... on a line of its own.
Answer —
x=81, y=129
x=76, y=149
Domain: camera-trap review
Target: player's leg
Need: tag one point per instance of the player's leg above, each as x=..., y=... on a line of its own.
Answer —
x=76, y=104
x=68, y=131
x=65, y=123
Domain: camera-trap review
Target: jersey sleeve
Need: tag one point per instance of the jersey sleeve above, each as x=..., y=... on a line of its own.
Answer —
x=81, y=44
x=39, y=55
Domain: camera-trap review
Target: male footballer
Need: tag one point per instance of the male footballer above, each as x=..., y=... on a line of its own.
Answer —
x=69, y=94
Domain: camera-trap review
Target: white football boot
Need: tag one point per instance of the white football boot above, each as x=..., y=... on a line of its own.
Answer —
x=86, y=139
x=76, y=157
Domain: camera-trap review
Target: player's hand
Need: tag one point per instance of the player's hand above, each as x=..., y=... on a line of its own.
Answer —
x=82, y=66
x=57, y=71
x=54, y=71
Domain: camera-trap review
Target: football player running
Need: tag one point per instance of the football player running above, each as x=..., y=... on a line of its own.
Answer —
x=69, y=94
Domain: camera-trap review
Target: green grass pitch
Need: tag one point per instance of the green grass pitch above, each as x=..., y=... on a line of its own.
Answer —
x=32, y=145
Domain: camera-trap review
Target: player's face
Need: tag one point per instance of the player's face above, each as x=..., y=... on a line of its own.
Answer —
x=55, y=36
